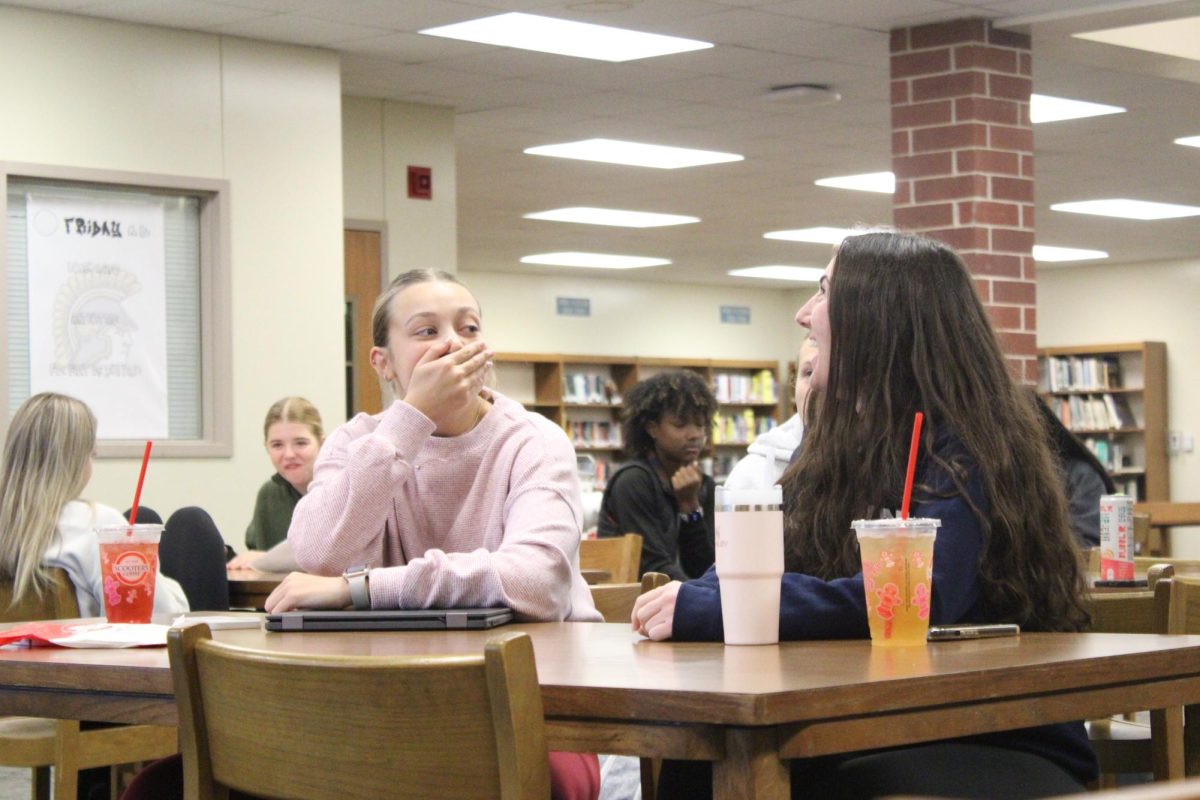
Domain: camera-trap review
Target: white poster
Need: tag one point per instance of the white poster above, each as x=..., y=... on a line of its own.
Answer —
x=97, y=310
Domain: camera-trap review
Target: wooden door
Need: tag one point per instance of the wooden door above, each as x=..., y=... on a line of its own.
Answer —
x=364, y=280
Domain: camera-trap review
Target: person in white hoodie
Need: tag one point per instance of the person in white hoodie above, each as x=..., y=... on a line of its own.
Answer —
x=770, y=453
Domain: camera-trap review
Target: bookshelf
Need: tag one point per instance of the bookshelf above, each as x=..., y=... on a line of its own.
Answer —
x=584, y=395
x=1114, y=397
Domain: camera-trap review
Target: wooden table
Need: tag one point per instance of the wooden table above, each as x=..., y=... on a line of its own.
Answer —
x=249, y=588
x=607, y=690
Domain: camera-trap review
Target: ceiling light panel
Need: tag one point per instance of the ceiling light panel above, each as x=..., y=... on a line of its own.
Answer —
x=1128, y=209
x=594, y=260
x=815, y=235
x=566, y=38
x=882, y=182
x=1044, y=108
x=781, y=272
x=612, y=216
x=1189, y=141
x=1042, y=252
x=1172, y=37
x=635, y=154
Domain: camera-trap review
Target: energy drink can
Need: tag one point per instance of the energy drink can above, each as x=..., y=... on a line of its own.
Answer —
x=1116, y=537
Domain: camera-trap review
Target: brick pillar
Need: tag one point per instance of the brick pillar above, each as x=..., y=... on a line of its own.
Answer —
x=962, y=151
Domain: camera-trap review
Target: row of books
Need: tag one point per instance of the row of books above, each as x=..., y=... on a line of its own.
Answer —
x=594, y=434
x=1129, y=486
x=1109, y=453
x=733, y=387
x=1072, y=373
x=1100, y=412
x=589, y=387
x=740, y=428
x=722, y=466
x=596, y=388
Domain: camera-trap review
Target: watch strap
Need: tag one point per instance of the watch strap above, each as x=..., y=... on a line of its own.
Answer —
x=360, y=593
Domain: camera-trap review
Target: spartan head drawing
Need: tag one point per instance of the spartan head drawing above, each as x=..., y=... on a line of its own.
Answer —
x=91, y=325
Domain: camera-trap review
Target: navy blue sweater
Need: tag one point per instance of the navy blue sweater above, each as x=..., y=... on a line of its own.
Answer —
x=811, y=608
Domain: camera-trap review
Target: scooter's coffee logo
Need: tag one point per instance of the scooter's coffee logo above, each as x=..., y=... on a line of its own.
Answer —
x=131, y=568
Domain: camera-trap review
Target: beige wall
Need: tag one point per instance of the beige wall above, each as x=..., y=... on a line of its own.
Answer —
x=635, y=318
x=1136, y=302
x=105, y=95
x=381, y=140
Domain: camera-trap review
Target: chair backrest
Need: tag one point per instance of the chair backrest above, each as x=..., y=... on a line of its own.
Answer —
x=57, y=601
x=1124, y=612
x=1183, y=566
x=276, y=725
x=615, y=601
x=620, y=555
x=1183, y=594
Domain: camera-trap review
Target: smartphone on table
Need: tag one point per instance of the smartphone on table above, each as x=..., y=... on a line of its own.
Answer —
x=947, y=633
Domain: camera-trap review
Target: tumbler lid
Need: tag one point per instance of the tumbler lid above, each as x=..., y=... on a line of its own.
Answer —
x=728, y=498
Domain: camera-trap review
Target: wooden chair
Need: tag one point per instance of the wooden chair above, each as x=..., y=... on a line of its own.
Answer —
x=40, y=743
x=1165, y=515
x=615, y=601
x=276, y=725
x=620, y=555
x=1124, y=745
x=1183, y=616
x=1181, y=566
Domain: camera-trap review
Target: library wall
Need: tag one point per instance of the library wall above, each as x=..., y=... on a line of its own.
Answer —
x=635, y=318
x=382, y=138
x=1102, y=304
x=106, y=95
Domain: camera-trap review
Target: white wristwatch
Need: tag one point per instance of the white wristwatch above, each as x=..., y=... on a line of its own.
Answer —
x=360, y=592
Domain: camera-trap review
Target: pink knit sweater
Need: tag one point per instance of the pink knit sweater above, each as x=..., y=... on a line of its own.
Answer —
x=488, y=518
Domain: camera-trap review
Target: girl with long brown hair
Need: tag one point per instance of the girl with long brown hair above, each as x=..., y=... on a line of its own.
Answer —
x=899, y=329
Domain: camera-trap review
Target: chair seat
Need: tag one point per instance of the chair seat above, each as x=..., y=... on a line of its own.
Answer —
x=26, y=741
x=29, y=742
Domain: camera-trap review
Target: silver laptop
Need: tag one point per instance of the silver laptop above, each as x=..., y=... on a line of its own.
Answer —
x=390, y=619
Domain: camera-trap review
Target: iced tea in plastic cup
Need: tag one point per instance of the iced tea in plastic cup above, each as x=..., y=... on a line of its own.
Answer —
x=128, y=566
x=897, y=560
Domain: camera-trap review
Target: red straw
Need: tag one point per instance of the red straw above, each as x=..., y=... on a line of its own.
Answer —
x=137, y=496
x=912, y=463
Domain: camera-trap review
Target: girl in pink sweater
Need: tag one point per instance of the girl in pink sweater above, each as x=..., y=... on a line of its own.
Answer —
x=454, y=496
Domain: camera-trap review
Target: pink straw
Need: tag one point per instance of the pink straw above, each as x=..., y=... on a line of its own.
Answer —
x=137, y=495
x=912, y=463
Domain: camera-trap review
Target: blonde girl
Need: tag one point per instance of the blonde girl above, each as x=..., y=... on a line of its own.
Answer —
x=43, y=522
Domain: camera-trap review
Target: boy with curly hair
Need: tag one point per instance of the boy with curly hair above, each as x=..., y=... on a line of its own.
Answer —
x=661, y=493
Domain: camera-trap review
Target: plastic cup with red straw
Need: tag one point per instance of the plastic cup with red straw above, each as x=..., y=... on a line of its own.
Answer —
x=129, y=562
x=897, y=560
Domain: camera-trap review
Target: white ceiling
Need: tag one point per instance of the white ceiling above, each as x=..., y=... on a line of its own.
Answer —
x=507, y=100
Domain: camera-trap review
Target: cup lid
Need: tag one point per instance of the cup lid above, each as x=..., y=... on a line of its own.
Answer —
x=895, y=524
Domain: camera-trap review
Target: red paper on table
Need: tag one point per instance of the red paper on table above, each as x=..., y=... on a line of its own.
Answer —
x=85, y=635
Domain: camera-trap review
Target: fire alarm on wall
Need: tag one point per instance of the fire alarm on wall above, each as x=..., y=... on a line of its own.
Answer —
x=420, y=183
